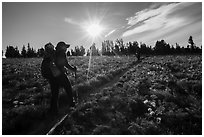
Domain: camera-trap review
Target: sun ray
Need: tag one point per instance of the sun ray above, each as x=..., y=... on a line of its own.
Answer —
x=94, y=31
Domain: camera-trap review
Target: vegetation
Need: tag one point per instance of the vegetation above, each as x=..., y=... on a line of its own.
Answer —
x=26, y=95
x=161, y=95
x=110, y=48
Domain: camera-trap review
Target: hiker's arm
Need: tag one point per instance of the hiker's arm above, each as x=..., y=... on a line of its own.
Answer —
x=69, y=66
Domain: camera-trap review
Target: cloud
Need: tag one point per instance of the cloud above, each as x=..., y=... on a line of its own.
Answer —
x=156, y=18
x=71, y=21
x=110, y=33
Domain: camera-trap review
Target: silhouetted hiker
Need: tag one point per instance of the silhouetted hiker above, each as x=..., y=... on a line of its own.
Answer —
x=53, y=69
x=48, y=68
x=138, y=55
x=62, y=64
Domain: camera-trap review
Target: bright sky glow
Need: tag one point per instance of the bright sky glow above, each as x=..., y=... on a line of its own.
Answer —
x=94, y=30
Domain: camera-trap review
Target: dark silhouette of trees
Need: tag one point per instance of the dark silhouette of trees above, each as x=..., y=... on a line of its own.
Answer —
x=135, y=47
x=68, y=53
x=114, y=48
x=144, y=49
x=31, y=52
x=40, y=52
x=178, y=48
x=24, y=52
x=160, y=48
x=72, y=52
x=82, y=51
x=192, y=46
x=12, y=52
x=77, y=51
x=191, y=43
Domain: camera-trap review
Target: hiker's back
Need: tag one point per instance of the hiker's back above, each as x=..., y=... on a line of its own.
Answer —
x=60, y=59
x=48, y=61
x=45, y=69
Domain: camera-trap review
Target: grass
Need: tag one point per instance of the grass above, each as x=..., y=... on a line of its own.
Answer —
x=25, y=89
x=145, y=101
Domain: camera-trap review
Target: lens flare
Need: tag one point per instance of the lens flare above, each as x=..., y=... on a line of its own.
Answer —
x=94, y=30
x=89, y=65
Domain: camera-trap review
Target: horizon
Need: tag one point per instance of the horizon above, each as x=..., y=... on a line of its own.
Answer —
x=39, y=23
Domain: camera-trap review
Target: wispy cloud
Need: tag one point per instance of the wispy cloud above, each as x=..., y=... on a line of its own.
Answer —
x=71, y=21
x=156, y=18
x=110, y=33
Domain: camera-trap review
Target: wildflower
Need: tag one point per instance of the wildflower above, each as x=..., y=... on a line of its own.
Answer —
x=151, y=113
x=158, y=120
x=15, y=102
x=153, y=104
x=149, y=109
x=146, y=101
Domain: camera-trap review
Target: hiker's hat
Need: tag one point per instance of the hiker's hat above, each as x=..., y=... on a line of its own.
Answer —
x=62, y=45
x=49, y=47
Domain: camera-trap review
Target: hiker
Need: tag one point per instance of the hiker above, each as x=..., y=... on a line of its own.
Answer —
x=48, y=68
x=62, y=64
x=53, y=69
x=138, y=55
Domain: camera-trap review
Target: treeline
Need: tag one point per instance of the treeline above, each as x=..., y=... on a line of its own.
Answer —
x=28, y=52
x=112, y=48
x=118, y=47
x=78, y=51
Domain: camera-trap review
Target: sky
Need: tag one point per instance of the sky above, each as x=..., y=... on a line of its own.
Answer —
x=38, y=23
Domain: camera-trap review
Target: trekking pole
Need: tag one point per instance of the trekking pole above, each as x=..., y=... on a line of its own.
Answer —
x=76, y=93
x=75, y=76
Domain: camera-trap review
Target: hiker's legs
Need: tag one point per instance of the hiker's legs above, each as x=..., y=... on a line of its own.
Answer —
x=54, y=98
x=65, y=83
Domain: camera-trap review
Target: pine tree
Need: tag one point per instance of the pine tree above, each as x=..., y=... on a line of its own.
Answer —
x=23, y=52
x=191, y=43
x=40, y=52
x=82, y=51
x=12, y=52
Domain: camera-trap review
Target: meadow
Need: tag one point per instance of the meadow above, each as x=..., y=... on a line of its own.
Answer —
x=26, y=94
x=158, y=95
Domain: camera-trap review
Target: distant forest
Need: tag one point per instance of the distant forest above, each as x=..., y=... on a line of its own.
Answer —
x=112, y=48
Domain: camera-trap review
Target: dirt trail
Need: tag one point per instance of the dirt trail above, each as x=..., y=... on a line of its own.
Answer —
x=45, y=126
x=86, y=96
x=116, y=78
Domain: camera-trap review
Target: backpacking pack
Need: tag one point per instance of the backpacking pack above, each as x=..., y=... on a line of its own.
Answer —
x=48, y=67
x=45, y=68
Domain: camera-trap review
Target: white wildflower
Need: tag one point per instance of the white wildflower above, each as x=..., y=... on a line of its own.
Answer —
x=146, y=101
x=151, y=113
x=149, y=109
x=153, y=104
x=158, y=120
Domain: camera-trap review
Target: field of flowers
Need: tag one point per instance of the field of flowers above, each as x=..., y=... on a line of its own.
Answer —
x=161, y=95
x=26, y=94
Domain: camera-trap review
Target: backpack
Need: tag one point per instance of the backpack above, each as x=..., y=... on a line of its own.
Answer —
x=48, y=67
x=45, y=68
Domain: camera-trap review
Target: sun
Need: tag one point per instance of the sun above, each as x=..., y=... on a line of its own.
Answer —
x=94, y=29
